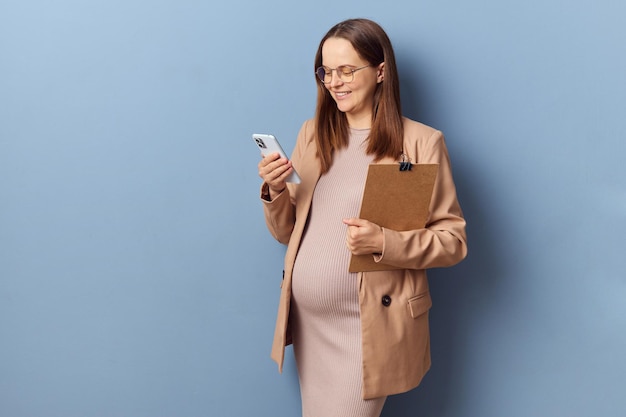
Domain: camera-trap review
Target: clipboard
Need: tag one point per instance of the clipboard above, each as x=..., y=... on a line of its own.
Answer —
x=396, y=197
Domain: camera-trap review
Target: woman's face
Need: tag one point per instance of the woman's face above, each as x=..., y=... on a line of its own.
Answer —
x=355, y=98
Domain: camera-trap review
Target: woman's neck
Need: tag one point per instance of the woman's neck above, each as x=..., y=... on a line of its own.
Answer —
x=360, y=122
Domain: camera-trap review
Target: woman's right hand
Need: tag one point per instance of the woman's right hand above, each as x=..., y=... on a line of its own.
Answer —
x=273, y=170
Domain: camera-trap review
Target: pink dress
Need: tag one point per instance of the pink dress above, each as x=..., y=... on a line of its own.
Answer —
x=326, y=325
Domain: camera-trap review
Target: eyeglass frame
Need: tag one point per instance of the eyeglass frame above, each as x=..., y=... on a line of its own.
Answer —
x=330, y=71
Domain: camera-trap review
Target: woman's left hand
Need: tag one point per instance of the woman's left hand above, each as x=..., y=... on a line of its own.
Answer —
x=363, y=237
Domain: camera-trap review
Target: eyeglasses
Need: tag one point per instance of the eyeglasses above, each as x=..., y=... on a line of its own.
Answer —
x=344, y=73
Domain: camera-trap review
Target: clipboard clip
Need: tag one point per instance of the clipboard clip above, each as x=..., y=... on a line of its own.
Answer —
x=405, y=163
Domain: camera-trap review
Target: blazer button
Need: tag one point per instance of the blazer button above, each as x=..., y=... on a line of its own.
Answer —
x=386, y=300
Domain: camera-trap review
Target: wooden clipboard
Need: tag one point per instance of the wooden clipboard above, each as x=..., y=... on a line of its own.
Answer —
x=396, y=200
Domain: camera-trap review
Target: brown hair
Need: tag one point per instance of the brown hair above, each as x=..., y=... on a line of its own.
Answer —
x=373, y=45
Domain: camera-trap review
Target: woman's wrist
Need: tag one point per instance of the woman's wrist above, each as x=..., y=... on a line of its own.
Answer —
x=268, y=193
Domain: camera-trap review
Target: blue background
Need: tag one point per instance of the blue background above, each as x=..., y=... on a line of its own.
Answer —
x=136, y=274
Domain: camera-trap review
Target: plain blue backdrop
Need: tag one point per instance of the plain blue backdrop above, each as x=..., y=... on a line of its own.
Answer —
x=137, y=278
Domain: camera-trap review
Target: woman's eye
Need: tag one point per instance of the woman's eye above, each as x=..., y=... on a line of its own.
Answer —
x=345, y=70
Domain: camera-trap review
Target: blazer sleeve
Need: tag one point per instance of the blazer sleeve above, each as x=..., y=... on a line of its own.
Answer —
x=443, y=241
x=280, y=213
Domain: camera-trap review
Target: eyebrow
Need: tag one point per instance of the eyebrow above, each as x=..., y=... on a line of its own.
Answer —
x=342, y=65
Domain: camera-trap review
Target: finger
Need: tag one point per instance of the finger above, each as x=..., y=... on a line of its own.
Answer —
x=271, y=162
x=274, y=169
x=351, y=234
x=287, y=171
x=353, y=221
x=349, y=244
x=280, y=166
x=270, y=157
x=280, y=172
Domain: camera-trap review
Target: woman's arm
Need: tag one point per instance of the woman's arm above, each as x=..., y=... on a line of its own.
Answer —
x=443, y=241
x=279, y=204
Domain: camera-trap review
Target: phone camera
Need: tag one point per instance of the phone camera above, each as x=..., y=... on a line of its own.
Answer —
x=260, y=143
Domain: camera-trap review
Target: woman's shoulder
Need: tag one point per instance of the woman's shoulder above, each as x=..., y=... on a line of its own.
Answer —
x=307, y=130
x=422, y=142
x=416, y=130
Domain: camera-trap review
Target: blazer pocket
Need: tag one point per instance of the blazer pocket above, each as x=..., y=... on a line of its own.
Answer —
x=420, y=304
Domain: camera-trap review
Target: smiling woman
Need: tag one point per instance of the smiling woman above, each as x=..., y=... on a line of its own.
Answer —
x=354, y=94
x=359, y=43
x=357, y=337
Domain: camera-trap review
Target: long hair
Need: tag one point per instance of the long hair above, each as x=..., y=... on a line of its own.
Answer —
x=373, y=45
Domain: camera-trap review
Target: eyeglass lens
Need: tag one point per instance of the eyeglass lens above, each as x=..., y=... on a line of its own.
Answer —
x=344, y=73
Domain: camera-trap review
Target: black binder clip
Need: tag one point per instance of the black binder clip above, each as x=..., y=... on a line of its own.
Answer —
x=405, y=163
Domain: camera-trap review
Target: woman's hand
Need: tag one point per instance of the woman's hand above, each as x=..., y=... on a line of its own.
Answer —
x=363, y=237
x=273, y=170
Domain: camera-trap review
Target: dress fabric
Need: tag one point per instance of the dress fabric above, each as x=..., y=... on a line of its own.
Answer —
x=325, y=303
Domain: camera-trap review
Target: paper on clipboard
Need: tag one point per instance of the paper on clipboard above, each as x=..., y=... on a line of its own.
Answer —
x=396, y=200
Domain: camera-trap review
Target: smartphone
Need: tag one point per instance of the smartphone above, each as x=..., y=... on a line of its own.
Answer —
x=269, y=144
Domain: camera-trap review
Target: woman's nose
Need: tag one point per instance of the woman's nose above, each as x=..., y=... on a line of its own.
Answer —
x=334, y=79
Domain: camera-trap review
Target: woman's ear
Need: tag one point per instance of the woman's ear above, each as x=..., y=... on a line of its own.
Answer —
x=380, y=75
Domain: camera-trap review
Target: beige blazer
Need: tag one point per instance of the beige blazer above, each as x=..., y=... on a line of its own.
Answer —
x=394, y=304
